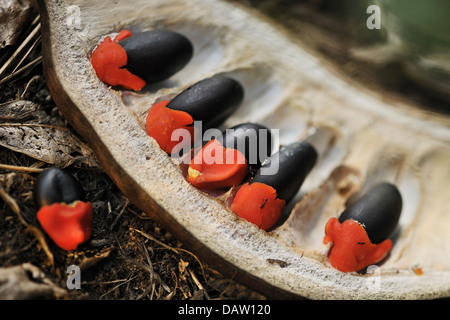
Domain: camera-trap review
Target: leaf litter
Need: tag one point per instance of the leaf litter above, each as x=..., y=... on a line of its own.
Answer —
x=26, y=128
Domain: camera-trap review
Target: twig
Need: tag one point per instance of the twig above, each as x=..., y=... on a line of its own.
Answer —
x=11, y=124
x=149, y=261
x=11, y=202
x=140, y=216
x=20, y=168
x=124, y=281
x=198, y=283
x=20, y=48
x=151, y=287
x=21, y=70
x=119, y=215
x=36, y=77
x=171, y=248
x=155, y=240
x=26, y=54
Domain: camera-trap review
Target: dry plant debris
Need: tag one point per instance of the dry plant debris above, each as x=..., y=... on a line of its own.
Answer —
x=13, y=15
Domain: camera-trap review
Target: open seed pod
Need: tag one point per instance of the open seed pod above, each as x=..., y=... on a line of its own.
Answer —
x=362, y=138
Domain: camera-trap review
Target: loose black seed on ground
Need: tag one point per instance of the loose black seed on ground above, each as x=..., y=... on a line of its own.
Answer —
x=54, y=185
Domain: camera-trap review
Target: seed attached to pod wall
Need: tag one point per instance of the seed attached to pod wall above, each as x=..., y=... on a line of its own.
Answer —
x=253, y=140
x=62, y=210
x=210, y=101
x=262, y=200
x=225, y=161
x=359, y=237
x=131, y=61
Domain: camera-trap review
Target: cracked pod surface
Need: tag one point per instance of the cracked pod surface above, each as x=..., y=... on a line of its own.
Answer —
x=361, y=138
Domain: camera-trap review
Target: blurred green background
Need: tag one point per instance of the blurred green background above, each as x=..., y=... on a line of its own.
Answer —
x=408, y=56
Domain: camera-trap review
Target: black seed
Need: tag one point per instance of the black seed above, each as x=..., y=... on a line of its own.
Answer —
x=294, y=162
x=157, y=55
x=54, y=185
x=253, y=140
x=378, y=211
x=211, y=100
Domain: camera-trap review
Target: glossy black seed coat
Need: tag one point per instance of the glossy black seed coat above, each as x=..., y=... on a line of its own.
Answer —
x=253, y=140
x=378, y=211
x=54, y=185
x=294, y=162
x=157, y=55
x=210, y=100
